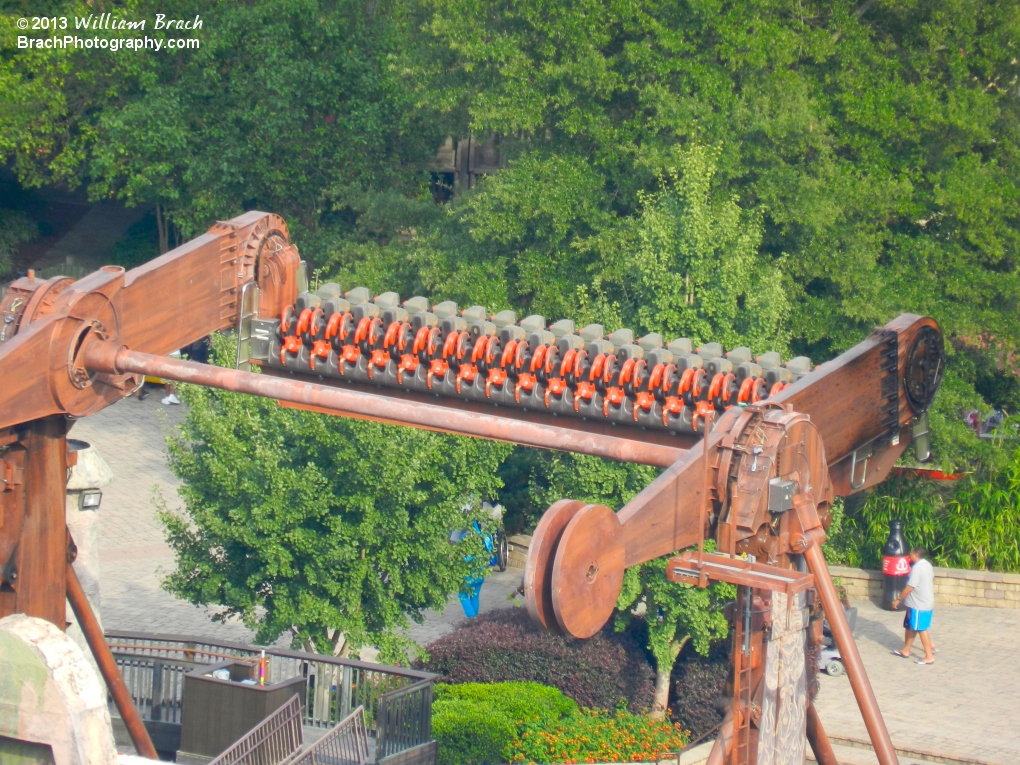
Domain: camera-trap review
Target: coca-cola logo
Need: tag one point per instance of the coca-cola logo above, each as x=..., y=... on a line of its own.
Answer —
x=895, y=565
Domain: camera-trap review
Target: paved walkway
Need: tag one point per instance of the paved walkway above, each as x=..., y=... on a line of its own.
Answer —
x=965, y=707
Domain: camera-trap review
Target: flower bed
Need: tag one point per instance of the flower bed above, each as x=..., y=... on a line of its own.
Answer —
x=486, y=723
x=594, y=736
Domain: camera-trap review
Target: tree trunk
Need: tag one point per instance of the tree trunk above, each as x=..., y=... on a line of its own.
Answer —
x=164, y=239
x=663, y=674
x=661, y=700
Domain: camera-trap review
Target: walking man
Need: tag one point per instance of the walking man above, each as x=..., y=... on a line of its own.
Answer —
x=919, y=598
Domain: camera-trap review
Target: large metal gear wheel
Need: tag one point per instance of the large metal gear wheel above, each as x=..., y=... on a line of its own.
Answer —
x=925, y=366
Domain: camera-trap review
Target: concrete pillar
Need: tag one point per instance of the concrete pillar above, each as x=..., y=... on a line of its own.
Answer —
x=85, y=482
x=52, y=704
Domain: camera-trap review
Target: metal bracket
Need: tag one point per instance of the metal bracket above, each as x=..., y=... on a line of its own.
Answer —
x=703, y=568
x=860, y=456
x=9, y=573
x=249, y=311
x=921, y=438
x=11, y=475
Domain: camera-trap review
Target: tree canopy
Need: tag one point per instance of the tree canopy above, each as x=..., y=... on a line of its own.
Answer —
x=780, y=173
x=335, y=528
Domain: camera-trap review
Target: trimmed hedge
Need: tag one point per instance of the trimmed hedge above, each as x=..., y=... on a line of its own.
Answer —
x=470, y=734
x=504, y=645
x=477, y=723
x=519, y=702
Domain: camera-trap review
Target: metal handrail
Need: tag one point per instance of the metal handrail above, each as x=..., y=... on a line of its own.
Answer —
x=272, y=742
x=154, y=665
x=404, y=719
x=346, y=744
x=197, y=642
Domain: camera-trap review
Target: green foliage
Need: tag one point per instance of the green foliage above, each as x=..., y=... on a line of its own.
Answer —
x=519, y=702
x=335, y=528
x=286, y=106
x=675, y=613
x=139, y=245
x=469, y=733
x=485, y=723
x=973, y=523
x=983, y=521
x=477, y=723
x=840, y=546
x=16, y=228
x=595, y=736
x=697, y=266
x=534, y=479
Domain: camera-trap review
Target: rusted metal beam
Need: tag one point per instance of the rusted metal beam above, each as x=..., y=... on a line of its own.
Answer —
x=855, y=671
x=598, y=426
x=820, y=744
x=33, y=545
x=108, y=666
x=108, y=358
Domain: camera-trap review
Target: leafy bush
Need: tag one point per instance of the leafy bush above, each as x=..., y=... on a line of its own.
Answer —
x=139, y=245
x=504, y=645
x=973, y=523
x=469, y=733
x=16, y=229
x=476, y=723
x=519, y=702
x=698, y=682
x=592, y=736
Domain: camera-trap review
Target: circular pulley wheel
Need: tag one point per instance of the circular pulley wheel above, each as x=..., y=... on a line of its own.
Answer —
x=925, y=366
x=588, y=571
x=538, y=568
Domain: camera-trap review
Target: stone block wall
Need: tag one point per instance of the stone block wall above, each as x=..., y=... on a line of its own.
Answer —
x=953, y=587
x=518, y=548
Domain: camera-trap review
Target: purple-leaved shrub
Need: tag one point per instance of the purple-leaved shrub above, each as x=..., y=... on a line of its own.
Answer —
x=504, y=645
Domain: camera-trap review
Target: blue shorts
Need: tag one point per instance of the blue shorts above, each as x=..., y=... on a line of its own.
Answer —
x=915, y=620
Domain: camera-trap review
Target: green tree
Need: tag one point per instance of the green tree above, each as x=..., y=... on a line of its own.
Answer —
x=878, y=142
x=334, y=529
x=288, y=106
x=16, y=228
x=676, y=614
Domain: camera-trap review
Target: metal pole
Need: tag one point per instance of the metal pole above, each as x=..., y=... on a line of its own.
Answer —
x=106, y=357
x=851, y=657
x=820, y=744
x=724, y=741
x=108, y=667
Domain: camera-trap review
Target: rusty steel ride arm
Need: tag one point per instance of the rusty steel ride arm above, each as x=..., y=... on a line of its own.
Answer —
x=164, y=305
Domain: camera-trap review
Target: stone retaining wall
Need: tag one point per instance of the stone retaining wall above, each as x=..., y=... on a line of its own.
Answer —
x=518, y=547
x=953, y=587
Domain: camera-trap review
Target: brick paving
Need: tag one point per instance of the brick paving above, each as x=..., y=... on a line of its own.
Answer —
x=965, y=707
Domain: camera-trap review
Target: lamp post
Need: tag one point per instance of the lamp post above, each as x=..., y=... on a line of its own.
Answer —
x=85, y=482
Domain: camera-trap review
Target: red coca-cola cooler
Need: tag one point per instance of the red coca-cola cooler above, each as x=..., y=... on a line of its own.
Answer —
x=895, y=565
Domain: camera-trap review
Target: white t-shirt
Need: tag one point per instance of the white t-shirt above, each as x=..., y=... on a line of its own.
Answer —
x=922, y=579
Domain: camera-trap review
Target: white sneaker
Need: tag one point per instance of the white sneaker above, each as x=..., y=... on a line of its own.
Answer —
x=171, y=399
